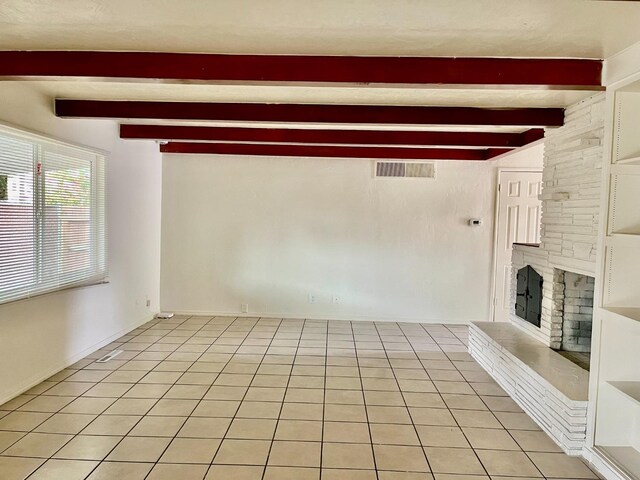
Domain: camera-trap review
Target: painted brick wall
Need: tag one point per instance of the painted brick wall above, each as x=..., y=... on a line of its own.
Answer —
x=571, y=186
x=578, y=312
x=570, y=213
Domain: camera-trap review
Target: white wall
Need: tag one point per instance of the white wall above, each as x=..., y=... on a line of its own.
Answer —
x=42, y=335
x=270, y=231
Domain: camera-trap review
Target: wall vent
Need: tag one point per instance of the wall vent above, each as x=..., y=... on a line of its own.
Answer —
x=109, y=356
x=406, y=169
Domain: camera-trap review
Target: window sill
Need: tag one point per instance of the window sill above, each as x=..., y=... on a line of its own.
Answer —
x=88, y=284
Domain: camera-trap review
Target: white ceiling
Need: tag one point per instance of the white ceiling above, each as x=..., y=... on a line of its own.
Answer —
x=538, y=28
x=349, y=95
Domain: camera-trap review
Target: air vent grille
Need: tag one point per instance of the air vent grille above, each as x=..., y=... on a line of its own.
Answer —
x=405, y=169
x=109, y=356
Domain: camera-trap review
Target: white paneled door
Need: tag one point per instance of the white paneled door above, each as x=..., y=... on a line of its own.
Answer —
x=518, y=221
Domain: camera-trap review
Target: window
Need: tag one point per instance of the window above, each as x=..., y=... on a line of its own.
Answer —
x=52, y=219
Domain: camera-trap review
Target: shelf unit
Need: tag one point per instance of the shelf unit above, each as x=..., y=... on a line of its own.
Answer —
x=617, y=419
x=624, y=211
x=630, y=389
x=625, y=456
x=633, y=161
x=626, y=313
x=626, y=145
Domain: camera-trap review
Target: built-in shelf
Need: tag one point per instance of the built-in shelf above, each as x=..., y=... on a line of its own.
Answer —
x=617, y=412
x=622, y=257
x=629, y=161
x=627, y=458
x=625, y=169
x=625, y=312
x=623, y=240
x=629, y=389
x=624, y=216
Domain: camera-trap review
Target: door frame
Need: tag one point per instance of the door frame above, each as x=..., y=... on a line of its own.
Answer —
x=496, y=213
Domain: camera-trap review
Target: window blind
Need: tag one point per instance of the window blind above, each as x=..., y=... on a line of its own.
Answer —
x=52, y=216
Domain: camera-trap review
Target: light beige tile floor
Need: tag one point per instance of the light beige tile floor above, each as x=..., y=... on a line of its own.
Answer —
x=197, y=398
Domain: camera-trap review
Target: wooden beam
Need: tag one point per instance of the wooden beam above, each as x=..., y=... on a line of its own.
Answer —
x=550, y=73
x=264, y=112
x=282, y=150
x=532, y=135
x=360, y=137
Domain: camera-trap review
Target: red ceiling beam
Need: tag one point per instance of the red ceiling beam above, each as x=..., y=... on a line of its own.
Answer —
x=361, y=137
x=265, y=112
x=532, y=135
x=567, y=73
x=281, y=150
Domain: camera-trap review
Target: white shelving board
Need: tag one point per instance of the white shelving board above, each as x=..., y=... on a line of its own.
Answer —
x=625, y=141
x=633, y=161
x=624, y=240
x=628, y=457
x=624, y=211
x=617, y=420
x=620, y=339
x=630, y=389
x=622, y=285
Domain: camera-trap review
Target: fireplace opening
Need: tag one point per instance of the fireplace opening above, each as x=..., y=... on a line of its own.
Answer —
x=529, y=295
x=576, y=294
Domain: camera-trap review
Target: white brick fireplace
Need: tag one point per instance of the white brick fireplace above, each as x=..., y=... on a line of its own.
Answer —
x=550, y=388
x=566, y=257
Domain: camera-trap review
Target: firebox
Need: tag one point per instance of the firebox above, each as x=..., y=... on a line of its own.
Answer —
x=529, y=295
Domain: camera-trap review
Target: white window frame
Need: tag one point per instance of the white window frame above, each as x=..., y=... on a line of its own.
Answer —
x=98, y=203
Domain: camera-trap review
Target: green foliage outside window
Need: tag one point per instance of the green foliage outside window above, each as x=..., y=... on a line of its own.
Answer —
x=68, y=187
x=4, y=187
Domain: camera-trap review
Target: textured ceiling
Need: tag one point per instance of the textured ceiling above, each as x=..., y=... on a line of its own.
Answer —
x=538, y=28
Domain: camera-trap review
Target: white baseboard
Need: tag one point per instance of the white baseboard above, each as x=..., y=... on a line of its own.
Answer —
x=40, y=377
x=345, y=317
x=603, y=465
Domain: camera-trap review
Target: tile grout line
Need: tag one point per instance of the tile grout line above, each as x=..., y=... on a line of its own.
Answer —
x=509, y=430
x=211, y=463
x=158, y=400
x=341, y=352
x=207, y=391
x=415, y=429
x=456, y=420
x=115, y=401
x=176, y=327
x=324, y=393
x=498, y=420
x=364, y=401
x=79, y=396
x=286, y=388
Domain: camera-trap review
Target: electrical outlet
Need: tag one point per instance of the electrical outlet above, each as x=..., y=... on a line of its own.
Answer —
x=148, y=303
x=336, y=299
x=312, y=298
x=245, y=308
